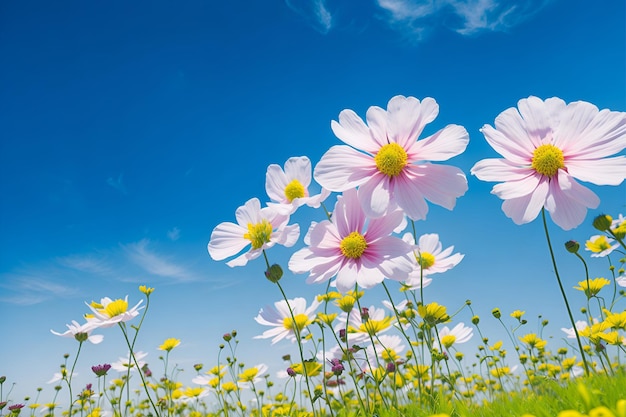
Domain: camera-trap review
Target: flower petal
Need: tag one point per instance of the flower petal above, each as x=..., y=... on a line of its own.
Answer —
x=299, y=168
x=227, y=240
x=352, y=131
x=492, y=169
x=407, y=117
x=443, y=145
x=375, y=195
x=526, y=209
x=275, y=183
x=568, y=201
x=606, y=171
x=343, y=167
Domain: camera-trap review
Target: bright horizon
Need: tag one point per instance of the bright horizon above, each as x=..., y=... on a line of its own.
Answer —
x=129, y=132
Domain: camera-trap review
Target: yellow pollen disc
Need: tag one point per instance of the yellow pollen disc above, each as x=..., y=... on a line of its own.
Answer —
x=259, y=234
x=115, y=308
x=391, y=159
x=547, y=160
x=353, y=245
x=448, y=340
x=302, y=320
x=425, y=259
x=294, y=190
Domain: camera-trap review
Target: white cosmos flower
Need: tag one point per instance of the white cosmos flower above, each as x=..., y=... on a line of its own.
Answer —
x=123, y=364
x=430, y=259
x=77, y=329
x=110, y=312
x=289, y=188
x=259, y=227
x=279, y=317
x=458, y=334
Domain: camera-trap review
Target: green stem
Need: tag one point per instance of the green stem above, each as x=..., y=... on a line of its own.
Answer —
x=558, y=278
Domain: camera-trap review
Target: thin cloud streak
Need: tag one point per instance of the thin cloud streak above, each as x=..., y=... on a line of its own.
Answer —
x=139, y=254
x=315, y=12
x=466, y=17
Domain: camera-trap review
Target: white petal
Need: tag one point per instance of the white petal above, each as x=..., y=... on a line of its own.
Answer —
x=606, y=171
x=227, y=240
x=407, y=117
x=499, y=170
x=275, y=183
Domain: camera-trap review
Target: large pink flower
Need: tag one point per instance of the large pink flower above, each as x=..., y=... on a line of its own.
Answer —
x=354, y=252
x=386, y=161
x=546, y=146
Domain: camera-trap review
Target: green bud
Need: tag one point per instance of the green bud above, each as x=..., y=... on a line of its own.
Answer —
x=572, y=246
x=274, y=273
x=81, y=337
x=496, y=313
x=475, y=320
x=603, y=222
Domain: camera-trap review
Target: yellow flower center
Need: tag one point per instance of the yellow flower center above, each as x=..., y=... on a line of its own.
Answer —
x=294, y=190
x=302, y=320
x=391, y=159
x=353, y=245
x=547, y=160
x=259, y=234
x=598, y=245
x=448, y=340
x=425, y=259
x=115, y=308
x=248, y=375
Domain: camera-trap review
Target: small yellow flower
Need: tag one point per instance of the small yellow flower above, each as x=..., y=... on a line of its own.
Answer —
x=229, y=386
x=327, y=318
x=601, y=411
x=533, y=341
x=433, y=313
x=592, y=287
x=146, y=290
x=169, y=344
x=500, y=372
x=615, y=320
x=517, y=314
x=346, y=303
x=313, y=368
x=570, y=413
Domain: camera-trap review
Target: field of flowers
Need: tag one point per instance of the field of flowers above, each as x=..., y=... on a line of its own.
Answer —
x=405, y=356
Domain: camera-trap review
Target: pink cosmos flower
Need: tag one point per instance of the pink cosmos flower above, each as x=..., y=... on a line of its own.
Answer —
x=386, y=161
x=289, y=189
x=259, y=227
x=547, y=146
x=344, y=247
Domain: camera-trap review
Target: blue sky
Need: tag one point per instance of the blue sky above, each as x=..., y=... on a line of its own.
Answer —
x=129, y=130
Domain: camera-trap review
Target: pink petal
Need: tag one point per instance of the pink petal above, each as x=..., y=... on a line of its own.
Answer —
x=518, y=188
x=439, y=184
x=383, y=226
x=568, y=202
x=586, y=133
x=377, y=122
x=526, y=209
x=407, y=117
x=299, y=168
x=537, y=120
x=249, y=212
x=409, y=197
x=342, y=168
x=443, y=145
x=354, y=215
x=500, y=170
x=375, y=195
x=275, y=183
x=348, y=276
x=606, y=171
x=352, y=131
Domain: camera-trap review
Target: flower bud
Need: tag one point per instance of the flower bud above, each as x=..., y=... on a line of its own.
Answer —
x=475, y=320
x=496, y=313
x=572, y=246
x=274, y=273
x=291, y=372
x=603, y=222
x=227, y=337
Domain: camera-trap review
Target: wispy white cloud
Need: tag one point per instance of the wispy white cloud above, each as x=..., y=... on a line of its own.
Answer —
x=315, y=12
x=415, y=19
x=174, y=234
x=118, y=183
x=64, y=277
x=148, y=260
x=28, y=286
x=467, y=17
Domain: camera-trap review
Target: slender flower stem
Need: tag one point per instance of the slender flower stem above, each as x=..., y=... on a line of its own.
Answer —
x=558, y=278
x=69, y=377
